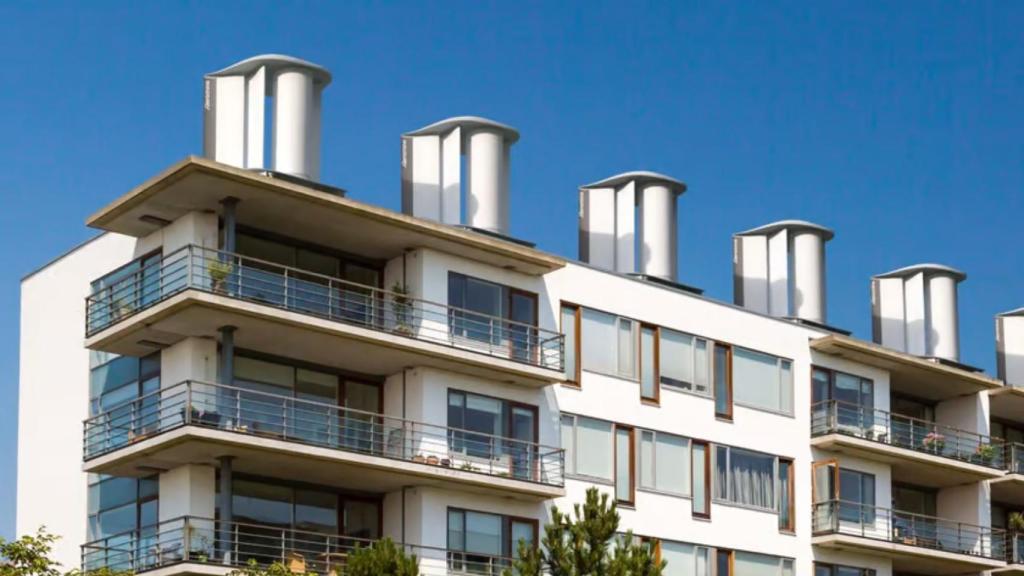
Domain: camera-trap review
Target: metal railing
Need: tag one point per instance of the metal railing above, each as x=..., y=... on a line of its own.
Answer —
x=856, y=519
x=835, y=417
x=1015, y=457
x=119, y=295
x=201, y=541
x=1015, y=555
x=244, y=411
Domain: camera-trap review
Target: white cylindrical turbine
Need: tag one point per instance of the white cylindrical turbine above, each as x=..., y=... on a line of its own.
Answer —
x=943, y=325
x=294, y=129
x=808, y=297
x=486, y=194
x=658, y=232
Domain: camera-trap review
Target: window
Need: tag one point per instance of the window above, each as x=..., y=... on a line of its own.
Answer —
x=588, y=447
x=608, y=344
x=624, y=461
x=477, y=540
x=723, y=381
x=751, y=564
x=119, y=505
x=672, y=453
x=762, y=381
x=483, y=307
x=787, y=521
x=701, y=478
x=724, y=562
x=649, y=386
x=837, y=570
x=745, y=477
x=502, y=428
x=856, y=496
x=853, y=398
x=121, y=379
x=571, y=331
x=267, y=382
x=683, y=362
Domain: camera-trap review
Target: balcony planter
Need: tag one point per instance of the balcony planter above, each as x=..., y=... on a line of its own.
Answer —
x=402, y=307
x=934, y=442
x=985, y=453
x=219, y=272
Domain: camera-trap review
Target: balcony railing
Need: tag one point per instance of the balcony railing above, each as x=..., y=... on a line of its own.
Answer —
x=872, y=522
x=835, y=417
x=205, y=541
x=250, y=412
x=1015, y=554
x=127, y=291
x=1015, y=457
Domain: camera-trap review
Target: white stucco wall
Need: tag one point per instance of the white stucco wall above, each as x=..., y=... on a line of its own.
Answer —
x=53, y=391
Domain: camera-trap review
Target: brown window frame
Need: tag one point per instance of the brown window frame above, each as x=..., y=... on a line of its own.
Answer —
x=706, y=513
x=506, y=522
x=790, y=496
x=632, y=463
x=728, y=415
x=577, y=380
x=656, y=399
x=732, y=561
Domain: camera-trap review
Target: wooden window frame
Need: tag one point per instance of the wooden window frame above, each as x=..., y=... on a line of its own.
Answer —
x=632, y=463
x=732, y=561
x=728, y=415
x=656, y=355
x=577, y=381
x=706, y=513
x=790, y=496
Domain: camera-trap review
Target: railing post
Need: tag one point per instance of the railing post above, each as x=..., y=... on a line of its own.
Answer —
x=186, y=542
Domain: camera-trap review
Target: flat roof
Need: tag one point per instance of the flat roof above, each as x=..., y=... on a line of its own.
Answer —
x=300, y=209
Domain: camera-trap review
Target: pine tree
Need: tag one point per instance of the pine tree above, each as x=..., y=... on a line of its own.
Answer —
x=382, y=557
x=587, y=544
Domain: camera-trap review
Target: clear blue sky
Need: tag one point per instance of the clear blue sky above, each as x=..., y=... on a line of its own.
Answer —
x=899, y=124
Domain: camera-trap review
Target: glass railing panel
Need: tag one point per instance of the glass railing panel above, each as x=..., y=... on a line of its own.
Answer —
x=235, y=544
x=866, y=521
x=252, y=412
x=131, y=289
x=835, y=417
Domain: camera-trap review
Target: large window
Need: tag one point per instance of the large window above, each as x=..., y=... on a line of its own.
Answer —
x=482, y=308
x=856, y=496
x=588, y=447
x=608, y=344
x=745, y=477
x=478, y=541
x=664, y=462
x=854, y=399
x=762, y=381
x=121, y=378
x=492, y=428
x=118, y=505
x=267, y=382
x=683, y=362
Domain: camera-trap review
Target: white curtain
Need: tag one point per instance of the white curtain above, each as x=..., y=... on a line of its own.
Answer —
x=751, y=478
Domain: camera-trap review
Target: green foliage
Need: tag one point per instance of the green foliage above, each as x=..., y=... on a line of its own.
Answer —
x=253, y=568
x=29, y=555
x=381, y=558
x=586, y=544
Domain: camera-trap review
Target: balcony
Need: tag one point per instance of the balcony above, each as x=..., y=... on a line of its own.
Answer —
x=202, y=546
x=194, y=291
x=932, y=454
x=1010, y=488
x=916, y=543
x=1014, y=557
x=289, y=438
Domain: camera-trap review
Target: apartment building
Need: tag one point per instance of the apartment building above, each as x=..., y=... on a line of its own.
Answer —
x=248, y=363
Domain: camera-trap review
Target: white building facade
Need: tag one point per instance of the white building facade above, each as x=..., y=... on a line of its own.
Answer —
x=267, y=369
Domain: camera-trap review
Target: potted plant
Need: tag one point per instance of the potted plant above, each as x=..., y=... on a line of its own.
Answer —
x=1015, y=522
x=934, y=442
x=985, y=453
x=402, y=305
x=219, y=272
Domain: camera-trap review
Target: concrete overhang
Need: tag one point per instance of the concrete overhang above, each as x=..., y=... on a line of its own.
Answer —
x=921, y=377
x=910, y=558
x=921, y=468
x=272, y=330
x=290, y=460
x=1007, y=403
x=300, y=210
x=1009, y=490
